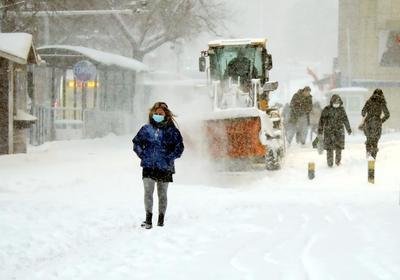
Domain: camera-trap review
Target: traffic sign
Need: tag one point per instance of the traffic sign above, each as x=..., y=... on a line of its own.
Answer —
x=84, y=71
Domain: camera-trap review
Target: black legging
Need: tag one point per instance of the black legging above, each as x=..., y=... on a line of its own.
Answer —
x=373, y=131
x=371, y=146
x=329, y=156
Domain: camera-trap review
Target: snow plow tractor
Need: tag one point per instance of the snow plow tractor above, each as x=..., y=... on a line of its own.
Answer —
x=242, y=130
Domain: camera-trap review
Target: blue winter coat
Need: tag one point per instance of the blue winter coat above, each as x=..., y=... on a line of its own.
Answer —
x=158, y=146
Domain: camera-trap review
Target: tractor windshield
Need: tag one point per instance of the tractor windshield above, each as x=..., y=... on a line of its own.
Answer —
x=234, y=61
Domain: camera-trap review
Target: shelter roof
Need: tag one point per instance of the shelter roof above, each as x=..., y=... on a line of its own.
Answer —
x=67, y=56
x=18, y=47
x=235, y=42
x=349, y=89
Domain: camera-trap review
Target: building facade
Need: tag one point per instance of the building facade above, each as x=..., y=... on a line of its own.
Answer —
x=16, y=53
x=369, y=49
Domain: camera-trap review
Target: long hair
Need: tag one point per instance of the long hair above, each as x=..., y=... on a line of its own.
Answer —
x=378, y=96
x=169, y=116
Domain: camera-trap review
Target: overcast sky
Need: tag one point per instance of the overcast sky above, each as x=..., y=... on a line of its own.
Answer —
x=301, y=34
x=299, y=31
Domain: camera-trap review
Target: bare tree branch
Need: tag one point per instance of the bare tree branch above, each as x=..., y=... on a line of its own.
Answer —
x=161, y=21
x=155, y=45
x=147, y=25
x=124, y=28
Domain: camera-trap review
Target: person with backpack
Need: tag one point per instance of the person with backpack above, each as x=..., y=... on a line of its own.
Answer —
x=158, y=144
x=331, y=127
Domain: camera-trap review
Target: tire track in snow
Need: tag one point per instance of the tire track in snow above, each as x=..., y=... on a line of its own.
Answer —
x=274, y=250
x=374, y=233
x=345, y=232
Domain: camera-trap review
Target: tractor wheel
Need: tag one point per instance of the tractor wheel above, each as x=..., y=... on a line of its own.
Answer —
x=273, y=161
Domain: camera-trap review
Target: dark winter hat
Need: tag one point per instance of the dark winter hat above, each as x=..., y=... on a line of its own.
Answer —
x=306, y=88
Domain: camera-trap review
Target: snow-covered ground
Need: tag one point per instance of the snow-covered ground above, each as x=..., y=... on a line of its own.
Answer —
x=72, y=210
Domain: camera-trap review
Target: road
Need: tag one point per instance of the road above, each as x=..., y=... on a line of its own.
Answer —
x=72, y=210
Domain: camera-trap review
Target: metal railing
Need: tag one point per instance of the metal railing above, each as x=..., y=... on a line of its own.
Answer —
x=60, y=122
x=40, y=130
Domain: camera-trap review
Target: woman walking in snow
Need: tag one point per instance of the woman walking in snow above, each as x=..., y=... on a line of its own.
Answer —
x=375, y=113
x=158, y=143
x=332, y=122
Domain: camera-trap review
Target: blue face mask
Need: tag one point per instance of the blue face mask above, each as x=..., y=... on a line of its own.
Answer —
x=158, y=118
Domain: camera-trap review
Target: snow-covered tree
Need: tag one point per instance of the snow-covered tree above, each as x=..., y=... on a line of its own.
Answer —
x=163, y=21
x=149, y=25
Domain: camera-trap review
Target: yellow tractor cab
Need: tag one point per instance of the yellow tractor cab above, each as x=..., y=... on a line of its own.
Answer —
x=242, y=127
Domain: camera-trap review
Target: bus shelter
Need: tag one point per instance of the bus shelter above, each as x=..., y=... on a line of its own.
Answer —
x=70, y=107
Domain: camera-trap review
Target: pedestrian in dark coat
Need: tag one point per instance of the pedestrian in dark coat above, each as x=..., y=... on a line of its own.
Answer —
x=331, y=127
x=299, y=118
x=157, y=144
x=375, y=113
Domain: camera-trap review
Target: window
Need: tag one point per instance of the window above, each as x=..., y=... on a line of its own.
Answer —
x=220, y=58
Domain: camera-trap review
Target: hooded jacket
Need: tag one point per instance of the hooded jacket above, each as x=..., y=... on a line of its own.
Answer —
x=332, y=123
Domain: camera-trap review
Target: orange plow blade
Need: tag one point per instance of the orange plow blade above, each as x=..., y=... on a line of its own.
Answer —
x=235, y=138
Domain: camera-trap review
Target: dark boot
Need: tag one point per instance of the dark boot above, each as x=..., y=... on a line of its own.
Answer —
x=148, y=223
x=368, y=149
x=374, y=152
x=329, y=157
x=338, y=156
x=160, y=222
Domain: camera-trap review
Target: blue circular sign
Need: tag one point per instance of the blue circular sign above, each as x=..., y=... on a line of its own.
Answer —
x=84, y=71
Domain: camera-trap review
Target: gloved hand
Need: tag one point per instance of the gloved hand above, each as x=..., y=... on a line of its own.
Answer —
x=349, y=132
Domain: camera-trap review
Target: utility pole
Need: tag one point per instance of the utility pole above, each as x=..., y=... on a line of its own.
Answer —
x=348, y=58
x=6, y=90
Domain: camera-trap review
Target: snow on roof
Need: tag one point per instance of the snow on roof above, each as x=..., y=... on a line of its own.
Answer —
x=349, y=89
x=17, y=47
x=247, y=41
x=24, y=116
x=105, y=58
